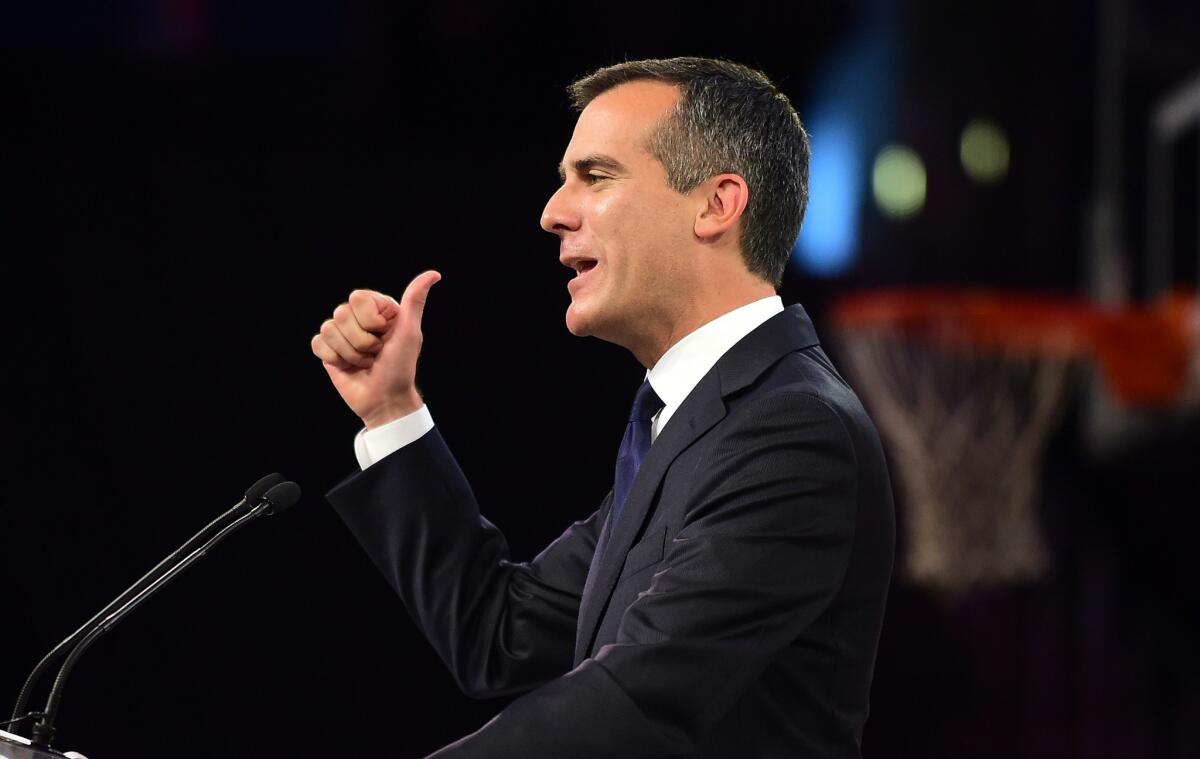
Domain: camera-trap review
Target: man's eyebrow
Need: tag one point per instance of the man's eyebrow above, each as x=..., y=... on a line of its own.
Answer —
x=593, y=161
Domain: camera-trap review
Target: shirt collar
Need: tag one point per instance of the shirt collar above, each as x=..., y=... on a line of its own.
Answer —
x=686, y=362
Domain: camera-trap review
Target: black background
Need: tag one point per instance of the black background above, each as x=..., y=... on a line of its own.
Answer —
x=188, y=199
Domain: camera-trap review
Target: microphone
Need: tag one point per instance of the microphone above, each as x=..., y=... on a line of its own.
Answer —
x=254, y=498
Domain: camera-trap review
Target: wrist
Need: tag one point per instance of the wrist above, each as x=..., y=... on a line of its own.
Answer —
x=393, y=410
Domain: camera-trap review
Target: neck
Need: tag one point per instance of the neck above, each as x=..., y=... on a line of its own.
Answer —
x=694, y=314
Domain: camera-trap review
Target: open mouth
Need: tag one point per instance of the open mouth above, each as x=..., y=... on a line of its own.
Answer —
x=584, y=265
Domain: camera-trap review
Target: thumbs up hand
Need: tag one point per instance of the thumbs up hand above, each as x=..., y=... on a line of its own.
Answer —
x=370, y=349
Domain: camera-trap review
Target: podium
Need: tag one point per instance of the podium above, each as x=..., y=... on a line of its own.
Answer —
x=16, y=747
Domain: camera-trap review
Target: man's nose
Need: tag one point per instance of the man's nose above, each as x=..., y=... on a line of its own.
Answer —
x=560, y=215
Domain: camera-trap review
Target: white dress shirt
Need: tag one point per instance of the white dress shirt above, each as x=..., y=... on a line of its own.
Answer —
x=673, y=377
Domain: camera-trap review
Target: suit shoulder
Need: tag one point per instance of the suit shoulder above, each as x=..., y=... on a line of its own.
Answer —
x=801, y=388
x=809, y=373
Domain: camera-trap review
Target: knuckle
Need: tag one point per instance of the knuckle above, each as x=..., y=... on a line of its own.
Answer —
x=361, y=312
x=322, y=351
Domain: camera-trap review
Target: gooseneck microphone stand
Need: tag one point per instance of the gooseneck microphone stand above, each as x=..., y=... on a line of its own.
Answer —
x=277, y=499
x=201, y=541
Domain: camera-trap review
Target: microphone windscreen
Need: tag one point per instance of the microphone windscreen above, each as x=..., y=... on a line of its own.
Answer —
x=281, y=497
x=255, y=493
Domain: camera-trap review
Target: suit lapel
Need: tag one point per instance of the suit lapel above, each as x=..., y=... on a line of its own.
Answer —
x=696, y=415
x=787, y=331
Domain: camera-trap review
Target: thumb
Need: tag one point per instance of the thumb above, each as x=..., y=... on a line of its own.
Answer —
x=412, y=303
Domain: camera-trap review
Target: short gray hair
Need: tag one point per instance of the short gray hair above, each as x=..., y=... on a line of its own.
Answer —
x=729, y=119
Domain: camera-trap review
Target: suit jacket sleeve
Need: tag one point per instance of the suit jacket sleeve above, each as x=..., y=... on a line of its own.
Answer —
x=763, y=552
x=500, y=627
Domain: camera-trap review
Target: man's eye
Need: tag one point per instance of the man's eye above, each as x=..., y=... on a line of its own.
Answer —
x=592, y=177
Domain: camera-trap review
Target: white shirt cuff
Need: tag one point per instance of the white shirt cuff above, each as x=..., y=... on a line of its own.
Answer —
x=372, y=445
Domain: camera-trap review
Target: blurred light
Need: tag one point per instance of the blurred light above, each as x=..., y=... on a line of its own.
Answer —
x=850, y=114
x=829, y=238
x=898, y=182
x=984, y=151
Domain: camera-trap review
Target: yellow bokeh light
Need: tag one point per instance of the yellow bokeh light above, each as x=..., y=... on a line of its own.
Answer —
x=898, y=182
x=984, y=151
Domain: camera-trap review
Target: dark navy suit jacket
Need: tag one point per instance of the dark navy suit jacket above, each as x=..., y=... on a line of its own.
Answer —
x=733, y=611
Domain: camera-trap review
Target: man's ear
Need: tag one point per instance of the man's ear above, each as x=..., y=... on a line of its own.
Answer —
x=724, y=199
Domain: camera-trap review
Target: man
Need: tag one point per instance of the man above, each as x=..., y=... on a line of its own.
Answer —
x=726, y=598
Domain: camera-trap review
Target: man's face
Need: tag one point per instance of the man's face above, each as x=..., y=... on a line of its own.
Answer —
x=623, y=229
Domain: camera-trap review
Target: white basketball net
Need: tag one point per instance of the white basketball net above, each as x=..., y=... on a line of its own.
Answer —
x=967, y=428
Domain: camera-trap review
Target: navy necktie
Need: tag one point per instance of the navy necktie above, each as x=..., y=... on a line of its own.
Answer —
x=634, y=445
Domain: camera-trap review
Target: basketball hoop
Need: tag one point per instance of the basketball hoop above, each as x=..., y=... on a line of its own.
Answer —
x=967, y=387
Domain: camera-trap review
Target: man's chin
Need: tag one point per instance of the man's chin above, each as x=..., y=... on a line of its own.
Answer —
x=580, y=320
x=577, y=324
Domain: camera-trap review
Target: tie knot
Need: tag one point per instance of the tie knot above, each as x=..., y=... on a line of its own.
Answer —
x=645, y=404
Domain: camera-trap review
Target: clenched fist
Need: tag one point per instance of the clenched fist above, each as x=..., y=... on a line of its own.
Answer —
x=370, y=349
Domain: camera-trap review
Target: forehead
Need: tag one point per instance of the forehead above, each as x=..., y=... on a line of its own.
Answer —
x=620, y=121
